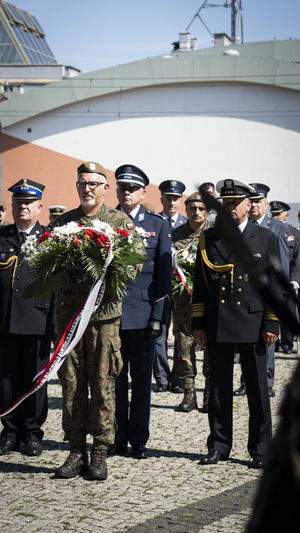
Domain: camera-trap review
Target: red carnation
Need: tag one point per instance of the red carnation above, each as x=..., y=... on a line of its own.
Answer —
x=44, y=236
x=76, y=241
x=123, y=232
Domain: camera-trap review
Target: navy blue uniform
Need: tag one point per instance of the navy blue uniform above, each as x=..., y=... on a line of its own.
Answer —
x=161, y=370
x=147, y=299
x=26, y=327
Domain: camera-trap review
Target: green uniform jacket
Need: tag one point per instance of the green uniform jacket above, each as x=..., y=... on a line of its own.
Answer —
x=108, y=309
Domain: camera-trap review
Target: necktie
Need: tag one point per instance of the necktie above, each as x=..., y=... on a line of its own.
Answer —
x=255, y=222
x=23, y=236
x=171, y=224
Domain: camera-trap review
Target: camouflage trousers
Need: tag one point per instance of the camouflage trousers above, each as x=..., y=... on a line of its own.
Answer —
x=186, y=369
x=94, y=363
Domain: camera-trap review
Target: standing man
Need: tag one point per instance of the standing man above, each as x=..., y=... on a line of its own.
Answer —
x=280, y=211
x=96, y=359
x=54, y=212
x=144, y=311
x=171, y=199
x=259, y=204
x=185, y=368
x=26, y=326
x=210, y=188
x=2, y=214
x=227, y=311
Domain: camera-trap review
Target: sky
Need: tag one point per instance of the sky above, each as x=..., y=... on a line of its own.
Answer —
x=96, y=34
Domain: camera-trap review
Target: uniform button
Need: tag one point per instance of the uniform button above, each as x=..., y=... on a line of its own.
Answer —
x=239, y=290
x=222, y=288
x=17, y=290
x=238, y=303
x=222, y=301
x=216, y=263
x=240, y=277
x=17, y=277
x=223, y=276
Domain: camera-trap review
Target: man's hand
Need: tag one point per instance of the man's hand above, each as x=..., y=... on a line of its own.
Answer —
x=200, y=337
x=269, y=338
x=154, y=330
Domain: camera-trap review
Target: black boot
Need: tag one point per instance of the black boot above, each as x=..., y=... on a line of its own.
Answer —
x=189, y=401
x=75, y=463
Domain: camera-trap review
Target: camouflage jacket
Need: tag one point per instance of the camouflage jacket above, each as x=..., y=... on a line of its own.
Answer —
x=78, y=291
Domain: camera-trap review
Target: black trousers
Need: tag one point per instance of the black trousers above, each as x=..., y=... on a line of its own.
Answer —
x=21, y=358
x=254, y=368
x=137, y=354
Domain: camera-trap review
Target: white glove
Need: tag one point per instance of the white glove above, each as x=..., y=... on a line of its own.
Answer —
x=295, y=285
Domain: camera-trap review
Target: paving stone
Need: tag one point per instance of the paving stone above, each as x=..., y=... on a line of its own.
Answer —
x=169, y=491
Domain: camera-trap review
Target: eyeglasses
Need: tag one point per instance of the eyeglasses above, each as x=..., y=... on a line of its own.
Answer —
x=90, y=184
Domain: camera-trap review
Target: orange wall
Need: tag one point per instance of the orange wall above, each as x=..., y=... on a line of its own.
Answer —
x=20, y=159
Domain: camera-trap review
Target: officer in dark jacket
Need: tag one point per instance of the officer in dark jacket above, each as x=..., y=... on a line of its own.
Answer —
x=144, y=310
x=171, y=199
x=227, y=311
x=26, y=326
x=280, y=211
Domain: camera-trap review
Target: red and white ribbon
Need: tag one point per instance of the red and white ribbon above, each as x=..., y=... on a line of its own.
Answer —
x=74, y=331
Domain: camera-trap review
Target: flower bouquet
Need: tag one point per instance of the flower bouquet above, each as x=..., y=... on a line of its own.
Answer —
x=183, y=272
x=76, y=253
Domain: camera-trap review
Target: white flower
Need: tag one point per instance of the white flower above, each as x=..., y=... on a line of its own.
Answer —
x=140, y=231
x=184, y=254
x=99, y=225
x=29, y=245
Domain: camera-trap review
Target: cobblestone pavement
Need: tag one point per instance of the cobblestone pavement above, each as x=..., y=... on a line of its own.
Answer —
x=169, y=491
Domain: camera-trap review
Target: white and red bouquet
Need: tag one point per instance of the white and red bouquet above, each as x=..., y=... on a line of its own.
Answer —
x=183, y=270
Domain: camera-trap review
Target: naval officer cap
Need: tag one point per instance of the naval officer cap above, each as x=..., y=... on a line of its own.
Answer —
x=172, y=187
x=278, y=207
x=56, y=209
x=233, y=188
x=27, y=190
x=92, y=167
x=261, y=191
x=132, y=176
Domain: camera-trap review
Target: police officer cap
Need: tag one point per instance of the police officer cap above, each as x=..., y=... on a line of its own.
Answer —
x=279, y=207
x=27, y=190
x=91, y=166
x=194, y=197
x=232, y=188
x=261, y=190
x=172, y=187
x=132, y=176
x=56, y=209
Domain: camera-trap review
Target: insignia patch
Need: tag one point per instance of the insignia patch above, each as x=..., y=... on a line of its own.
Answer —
x=169, y=235
x=256, y=255
x=150, y=234
x=2, y=256
x=173, y=183
x=92, y=166
x=290, y=238
x=129, y=225
x=141, y=217
x=246, y=277
x=228, y=184
x=128, y=169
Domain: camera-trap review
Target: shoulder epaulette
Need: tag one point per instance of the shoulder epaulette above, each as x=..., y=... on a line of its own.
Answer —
x=154, y=214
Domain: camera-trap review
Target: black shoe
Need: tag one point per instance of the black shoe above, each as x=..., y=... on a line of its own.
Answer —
x=75, y=463
x=7, y=446
x=162, y=388
x=271, y=393
x=98, y=467
x=189, y=402
x=139, y=451
x=176, y=389
x=241, y=391
x=117, y=449
x=212, y=458
x=34, y=448
x=205, y=401
x=259, y=461
x=287, y=349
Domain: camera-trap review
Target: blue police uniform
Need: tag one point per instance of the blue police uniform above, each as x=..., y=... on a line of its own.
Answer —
x=161, y=370
x=147, y=300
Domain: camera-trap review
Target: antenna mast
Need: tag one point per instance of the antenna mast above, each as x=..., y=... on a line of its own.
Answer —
x=237, y=36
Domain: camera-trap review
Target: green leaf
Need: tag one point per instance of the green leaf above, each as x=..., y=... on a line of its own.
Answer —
x=132, y=258
x=42, y=289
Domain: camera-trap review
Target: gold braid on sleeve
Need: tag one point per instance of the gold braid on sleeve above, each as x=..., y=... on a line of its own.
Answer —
x=216, y=268
x=4, y=266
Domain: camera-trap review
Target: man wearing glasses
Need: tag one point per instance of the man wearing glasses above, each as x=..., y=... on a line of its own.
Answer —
x=96, y=359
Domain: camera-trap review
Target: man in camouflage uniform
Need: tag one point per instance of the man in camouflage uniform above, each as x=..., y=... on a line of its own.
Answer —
x=2, y=214
x=186, y=364
x=96, y=359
